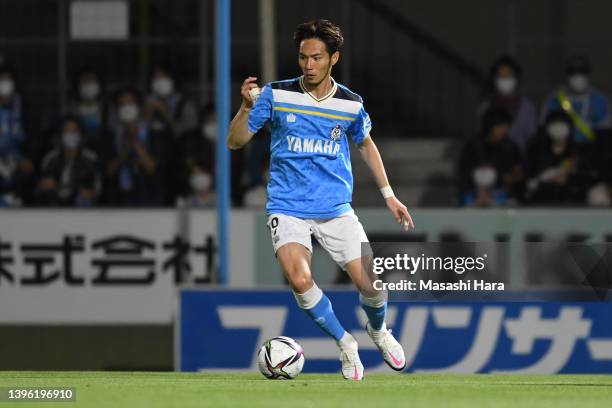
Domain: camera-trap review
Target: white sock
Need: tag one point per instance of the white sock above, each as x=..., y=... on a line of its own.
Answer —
x=310, y=298
x=378, y=300
x=347, y=342
x=382, y=328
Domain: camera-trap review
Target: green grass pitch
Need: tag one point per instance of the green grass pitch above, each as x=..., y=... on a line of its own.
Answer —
x=141, y=389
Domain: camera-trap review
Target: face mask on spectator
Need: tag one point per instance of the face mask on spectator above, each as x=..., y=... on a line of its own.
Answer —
x=558, y=131
x=599, y=196
x=89, y=90
x=506, y=85
x=71, y=139
x=485, y=177
x=7, y=86
x=128, y=113
x=200, y=182
x=162, y=86
x=210, y=131
x=578, y=83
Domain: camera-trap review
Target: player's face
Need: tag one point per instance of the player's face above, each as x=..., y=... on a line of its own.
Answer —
x=315, y=61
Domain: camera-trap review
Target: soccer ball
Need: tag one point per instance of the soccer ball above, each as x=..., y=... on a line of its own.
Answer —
x=280, y=358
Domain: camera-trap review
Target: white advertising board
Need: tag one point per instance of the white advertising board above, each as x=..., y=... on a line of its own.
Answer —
x=110, y=266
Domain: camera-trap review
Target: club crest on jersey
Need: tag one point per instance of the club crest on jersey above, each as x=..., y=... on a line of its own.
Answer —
x=291, y=118
x=336, y=133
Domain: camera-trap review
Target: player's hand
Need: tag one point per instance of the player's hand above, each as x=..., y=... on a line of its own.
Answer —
x=247, y=85
x=400, y=212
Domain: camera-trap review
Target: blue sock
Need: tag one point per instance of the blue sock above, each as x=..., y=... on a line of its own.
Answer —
x=376, y=315
x=323, y=315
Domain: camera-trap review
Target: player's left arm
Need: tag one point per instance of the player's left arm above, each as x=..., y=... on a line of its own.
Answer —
x=371, y=155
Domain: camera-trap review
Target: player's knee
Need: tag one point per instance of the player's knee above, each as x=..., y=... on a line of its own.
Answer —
x=300, y=284
x=367, y=289
x=299, y=279
x=364, y=281
x=301, y=287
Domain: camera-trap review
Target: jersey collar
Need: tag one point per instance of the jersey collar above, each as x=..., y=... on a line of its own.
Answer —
x=329, y=95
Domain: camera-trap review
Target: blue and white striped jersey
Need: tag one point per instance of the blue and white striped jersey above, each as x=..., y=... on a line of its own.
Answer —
x=310, y=166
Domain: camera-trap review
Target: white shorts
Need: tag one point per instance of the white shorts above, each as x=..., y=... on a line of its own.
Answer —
x=340, y=236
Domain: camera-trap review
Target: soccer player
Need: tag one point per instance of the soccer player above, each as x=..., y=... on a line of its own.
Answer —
x=311, y=182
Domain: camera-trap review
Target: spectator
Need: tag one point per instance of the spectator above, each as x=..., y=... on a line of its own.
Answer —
x=552, y=163
x=168, y=109
x=506, y=75
x=257, y=195
x=257, y=153
x=136, y=156
x=69, y=173
x=485, y=193
x=588, y=107
x=197, y=147
x=491, y=164
x=201, y=193
x=16, y=169
x=600, y=194
x=88, y=105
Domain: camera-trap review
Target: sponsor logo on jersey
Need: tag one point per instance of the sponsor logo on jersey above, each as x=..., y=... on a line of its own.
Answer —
x=291, y=118
x=336, y=133
x=297, y=144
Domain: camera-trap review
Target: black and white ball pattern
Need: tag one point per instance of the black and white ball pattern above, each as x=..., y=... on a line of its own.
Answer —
x=280, y=357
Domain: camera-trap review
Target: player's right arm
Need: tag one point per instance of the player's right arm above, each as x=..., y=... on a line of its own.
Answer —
x=239, y=134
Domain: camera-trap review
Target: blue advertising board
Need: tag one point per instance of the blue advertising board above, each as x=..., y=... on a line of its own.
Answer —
x=223, y=330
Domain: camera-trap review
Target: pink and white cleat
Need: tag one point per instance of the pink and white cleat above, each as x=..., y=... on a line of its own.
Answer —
x=391, y=350
x=352, y=369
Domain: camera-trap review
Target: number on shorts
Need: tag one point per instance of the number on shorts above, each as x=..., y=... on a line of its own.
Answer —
x=273, y=227
x=274, y=222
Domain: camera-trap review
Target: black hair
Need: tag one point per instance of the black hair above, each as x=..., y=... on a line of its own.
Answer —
x=508, y=61
x=578, y=64
x=558, y=115
x=131, y=90
x=166, y=69
x=7, y=69
x=70, y=118
x=86, y=70
x=324, y=30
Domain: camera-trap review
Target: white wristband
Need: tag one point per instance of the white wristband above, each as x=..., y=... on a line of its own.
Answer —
x=387, y=192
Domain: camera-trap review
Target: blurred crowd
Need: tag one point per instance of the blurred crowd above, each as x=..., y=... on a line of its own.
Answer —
x=156, y=147
x=129, y=148
x=561, y=156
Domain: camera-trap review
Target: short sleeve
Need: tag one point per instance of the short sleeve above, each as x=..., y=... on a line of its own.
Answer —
x=261, y=111
x=361, y=127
